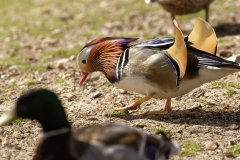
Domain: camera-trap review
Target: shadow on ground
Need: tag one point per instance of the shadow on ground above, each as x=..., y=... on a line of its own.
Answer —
x=227, y=29
x=195, y=116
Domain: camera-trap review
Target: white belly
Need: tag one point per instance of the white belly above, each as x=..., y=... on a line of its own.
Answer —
x=139, y=84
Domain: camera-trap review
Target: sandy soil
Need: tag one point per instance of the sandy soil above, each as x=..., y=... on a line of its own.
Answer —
x=205, y=114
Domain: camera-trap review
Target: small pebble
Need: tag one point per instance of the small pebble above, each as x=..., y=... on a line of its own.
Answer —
x=50, y=41
x=3, y=76
x=237, y=59
x=17, y=147
x=91, y=90
x=56, y=31
x=144, y=104
x=95, y=76
x=140, y=125
x=232, y=58
x=180, y=131
x=198, y=93
x=72, y=58
x=95, y=95
x=225, y=54
x=231, y=143
x=225, y=107
x=13, y=67
x=122, y=91
x=176, y=121
x=11, y=81
x=61, y=64
x=68, y=95
x=92, y=119
x=229, y=155
x=211, y=145
x=233, y=126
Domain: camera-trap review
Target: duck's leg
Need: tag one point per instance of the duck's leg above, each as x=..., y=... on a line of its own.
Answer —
x=172, y=16
x=206, y=13
x=135, y=105
x=166, y=109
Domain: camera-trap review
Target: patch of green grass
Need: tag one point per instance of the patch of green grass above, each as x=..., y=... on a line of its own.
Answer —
x=108, y=84
x=22, y=63
x=160, y=130
x=230, y=92
x=148, y=116
x=63, y=53
x=9, y=86
x=23, y=90
x=117, y=114
x=235, y=150
x=228, y=86
x=33, y=18
x=19, y=121
x=59, y=81
x=35, y=68
x=229, y=10
x=70, y=120
x=82, y=123
x=144, y=111
x=234, y=84
x=42, y=18
x=189, y=148
x=140, y=7
x=13, y=44
x=201, y=100
x=220, y=84
x=13, y=61
x=30, y=82
x=3, y=99
x=224, y=42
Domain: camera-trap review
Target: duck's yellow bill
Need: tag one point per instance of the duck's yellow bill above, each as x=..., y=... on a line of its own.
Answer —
x=8, y=117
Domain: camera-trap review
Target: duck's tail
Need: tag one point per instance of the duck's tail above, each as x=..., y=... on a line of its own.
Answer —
x=158, y=149
x=203, y=37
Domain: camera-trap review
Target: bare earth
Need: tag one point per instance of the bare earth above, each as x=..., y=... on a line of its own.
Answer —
x=208, y=113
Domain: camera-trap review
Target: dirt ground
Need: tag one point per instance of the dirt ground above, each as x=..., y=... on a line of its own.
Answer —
x=208, y=113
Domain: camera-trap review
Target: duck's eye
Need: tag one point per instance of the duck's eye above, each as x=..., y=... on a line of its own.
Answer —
x=84, y=61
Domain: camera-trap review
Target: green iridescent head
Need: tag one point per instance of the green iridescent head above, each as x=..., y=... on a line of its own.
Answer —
x=41, y=105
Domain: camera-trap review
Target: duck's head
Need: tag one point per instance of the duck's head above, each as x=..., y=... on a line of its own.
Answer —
x=41, y=105
x=101, y=55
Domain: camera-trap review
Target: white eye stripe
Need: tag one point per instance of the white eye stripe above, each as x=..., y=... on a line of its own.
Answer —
x=83, y=55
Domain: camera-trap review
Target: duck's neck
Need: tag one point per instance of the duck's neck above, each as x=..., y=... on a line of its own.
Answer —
x=113, y=69
x=56, y=146
x=58, y=121
x=104, y=58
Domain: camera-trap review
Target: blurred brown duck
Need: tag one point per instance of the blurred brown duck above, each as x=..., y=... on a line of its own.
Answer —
x=96, y=142
x=181, y=7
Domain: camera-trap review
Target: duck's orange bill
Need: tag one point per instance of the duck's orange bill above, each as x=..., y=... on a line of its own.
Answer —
x=83, y=76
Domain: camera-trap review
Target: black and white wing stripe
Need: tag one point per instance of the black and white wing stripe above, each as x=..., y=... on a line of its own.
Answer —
x=122, y=61
x=163, y=43
x=207, y=59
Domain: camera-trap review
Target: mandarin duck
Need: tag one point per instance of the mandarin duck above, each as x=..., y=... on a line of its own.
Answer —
x=160, y=68
x=176, y=7
x=96, y=142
